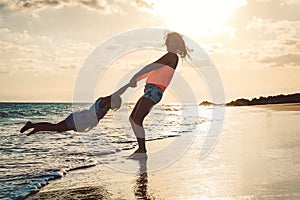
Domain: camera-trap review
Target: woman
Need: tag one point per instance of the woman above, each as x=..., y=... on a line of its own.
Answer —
x=159, y=75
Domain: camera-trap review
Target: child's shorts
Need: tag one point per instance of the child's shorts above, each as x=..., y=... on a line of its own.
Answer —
x=82, y=121
x=70, y=122
x=153, y=92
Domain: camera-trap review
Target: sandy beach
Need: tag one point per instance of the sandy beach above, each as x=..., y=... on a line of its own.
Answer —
x=256, y=157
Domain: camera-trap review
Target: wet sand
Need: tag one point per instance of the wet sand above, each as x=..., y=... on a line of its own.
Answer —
x=282, y=107
x=256, y=157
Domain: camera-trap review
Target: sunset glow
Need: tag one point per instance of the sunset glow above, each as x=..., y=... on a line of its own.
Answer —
x=196, y=17
x=254, y=44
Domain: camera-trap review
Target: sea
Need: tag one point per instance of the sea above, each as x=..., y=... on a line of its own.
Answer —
x=30, y=162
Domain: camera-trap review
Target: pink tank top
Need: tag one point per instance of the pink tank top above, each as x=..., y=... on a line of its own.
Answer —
x=160, y=77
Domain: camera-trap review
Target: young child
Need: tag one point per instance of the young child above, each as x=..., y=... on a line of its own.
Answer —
x=81, y=121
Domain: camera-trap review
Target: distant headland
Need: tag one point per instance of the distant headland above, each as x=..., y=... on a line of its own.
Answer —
x=278, y=99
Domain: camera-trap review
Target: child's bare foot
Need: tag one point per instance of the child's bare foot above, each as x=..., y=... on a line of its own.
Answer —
x=32, y=132
x=27, y=126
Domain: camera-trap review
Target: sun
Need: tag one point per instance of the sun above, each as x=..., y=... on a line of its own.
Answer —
x=196, y=17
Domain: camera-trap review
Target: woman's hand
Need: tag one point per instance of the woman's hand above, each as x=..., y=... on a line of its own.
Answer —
x=133, y=83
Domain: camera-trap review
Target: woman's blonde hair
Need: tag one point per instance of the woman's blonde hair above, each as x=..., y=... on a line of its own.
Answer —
x=181, y=48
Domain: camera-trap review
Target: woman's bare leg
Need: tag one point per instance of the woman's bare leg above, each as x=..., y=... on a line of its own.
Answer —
x=140, y=111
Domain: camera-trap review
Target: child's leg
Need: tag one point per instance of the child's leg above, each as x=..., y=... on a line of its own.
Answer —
x=45, y=126
x=27, y=126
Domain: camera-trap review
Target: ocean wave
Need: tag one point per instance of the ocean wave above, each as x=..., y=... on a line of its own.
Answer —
x=3, y=114
x=17, y=113
x=21, y=114
x=31, y=184
x=27, y=184
x=12, y=114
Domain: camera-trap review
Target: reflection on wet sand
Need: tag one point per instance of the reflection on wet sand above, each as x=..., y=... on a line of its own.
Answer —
x=141, y=187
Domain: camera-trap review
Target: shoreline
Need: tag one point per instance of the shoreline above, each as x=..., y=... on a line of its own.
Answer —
x=83, y=184
x=282, y=107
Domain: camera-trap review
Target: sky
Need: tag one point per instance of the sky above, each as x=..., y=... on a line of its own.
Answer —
x=254, y=44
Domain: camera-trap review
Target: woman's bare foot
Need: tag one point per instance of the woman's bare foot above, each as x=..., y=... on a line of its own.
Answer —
x=140, y=151
x=139, y=154
x=27, y=126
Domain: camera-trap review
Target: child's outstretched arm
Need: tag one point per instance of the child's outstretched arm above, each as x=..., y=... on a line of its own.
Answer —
x=121, y=90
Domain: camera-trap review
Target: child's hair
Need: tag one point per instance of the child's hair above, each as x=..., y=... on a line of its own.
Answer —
x=115, y=102
x=181, y=48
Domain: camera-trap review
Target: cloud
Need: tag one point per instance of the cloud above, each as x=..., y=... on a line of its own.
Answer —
x=293, y=42
x=267, y=33
x=215, y=47
x=33, y=5
x=22, y=51
x=274, y=10
x=105, y=6
x=20, y=65
x=69, y=67
x=6, y=47
x=264, y=43
x=284, y=60
x=280, y=39
x=4, y=30
x=267, y=30
x=142, y=4
x=283, y=31
x=291, y=2
x=4, y=70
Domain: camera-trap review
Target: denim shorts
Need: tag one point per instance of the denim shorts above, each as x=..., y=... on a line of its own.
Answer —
x=153, y=92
